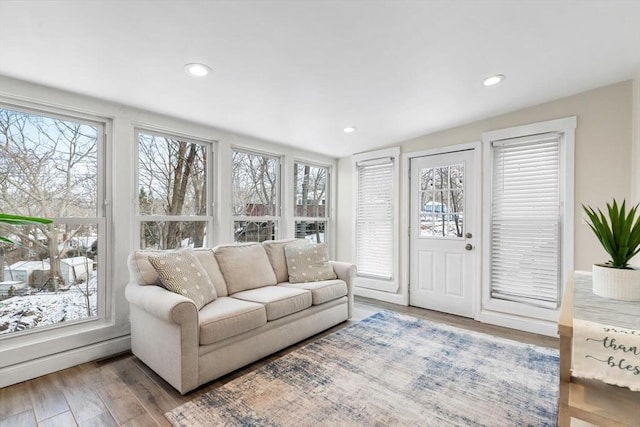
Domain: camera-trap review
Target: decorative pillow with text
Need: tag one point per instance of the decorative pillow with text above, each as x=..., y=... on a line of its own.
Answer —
x=182, y=273
x=308, y=263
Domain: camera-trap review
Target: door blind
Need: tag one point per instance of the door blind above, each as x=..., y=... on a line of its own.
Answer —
x=525, y=220
x=374, y=219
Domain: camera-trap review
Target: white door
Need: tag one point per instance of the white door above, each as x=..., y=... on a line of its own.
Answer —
x=443, y=227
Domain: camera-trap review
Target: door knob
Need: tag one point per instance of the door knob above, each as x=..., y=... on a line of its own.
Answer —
x=468, y=246
x=468, y=235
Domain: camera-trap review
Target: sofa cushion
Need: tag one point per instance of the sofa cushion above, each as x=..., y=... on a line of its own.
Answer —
x=277, y=258
x=308, y=263
x=140, y=269
x=321, y=292
x=244, y=266
x=181, y=272
x=210, y=264
x=279, y=301
x=227, y=317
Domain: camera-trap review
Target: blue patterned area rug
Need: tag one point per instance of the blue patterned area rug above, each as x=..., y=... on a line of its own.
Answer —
x=387, y=370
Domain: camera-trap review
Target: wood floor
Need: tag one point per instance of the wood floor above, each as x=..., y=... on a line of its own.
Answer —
x=122, y=391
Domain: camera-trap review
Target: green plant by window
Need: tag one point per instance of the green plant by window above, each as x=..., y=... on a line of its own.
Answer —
x=618, y=232
x=11, y=220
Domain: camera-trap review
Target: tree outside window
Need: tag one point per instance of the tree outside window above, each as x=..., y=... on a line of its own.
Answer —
x=172, y=191
x=49, y=167
x=255, y=198
x=311, y=202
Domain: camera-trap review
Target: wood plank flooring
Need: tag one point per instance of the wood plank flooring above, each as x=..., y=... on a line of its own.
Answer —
x=122, y=391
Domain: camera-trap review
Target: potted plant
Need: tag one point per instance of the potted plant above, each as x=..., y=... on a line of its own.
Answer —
x=619, y=234
x=11, y=220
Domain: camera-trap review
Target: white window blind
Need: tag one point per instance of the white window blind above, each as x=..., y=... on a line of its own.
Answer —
x=525, y=220
x=374, y=219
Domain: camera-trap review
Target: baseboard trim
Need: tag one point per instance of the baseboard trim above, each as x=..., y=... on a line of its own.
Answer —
x=535, y=326
x=379, y=295
x=17, y=373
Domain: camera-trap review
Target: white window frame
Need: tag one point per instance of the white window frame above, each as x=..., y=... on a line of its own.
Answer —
x=209, y=215
x=277, y=219
x=368, y=285
x=327, y=210
x=47, y=340
x=509, y=313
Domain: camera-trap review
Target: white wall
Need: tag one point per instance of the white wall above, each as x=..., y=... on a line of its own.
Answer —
x=602, y=162
x=635, y=152
x=27, y=355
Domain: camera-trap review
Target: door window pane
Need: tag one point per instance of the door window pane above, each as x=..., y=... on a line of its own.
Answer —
x=442, y=201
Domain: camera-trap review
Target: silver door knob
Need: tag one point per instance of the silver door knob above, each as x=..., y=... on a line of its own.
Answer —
x=468, y=246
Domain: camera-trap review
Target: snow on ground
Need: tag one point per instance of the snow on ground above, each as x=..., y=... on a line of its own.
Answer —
x=44, y=308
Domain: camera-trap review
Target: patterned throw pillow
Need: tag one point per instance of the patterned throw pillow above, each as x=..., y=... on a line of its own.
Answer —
x=308, y=263
x=181, y=272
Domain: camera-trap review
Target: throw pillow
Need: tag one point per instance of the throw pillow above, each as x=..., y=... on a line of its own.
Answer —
x=308, y=263
x=182, y=273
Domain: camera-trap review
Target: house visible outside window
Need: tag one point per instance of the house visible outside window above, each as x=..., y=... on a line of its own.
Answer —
x=529, y=226
x=255, y=196
x=376, y=219
x=311, y=210
x=174, y=191
x=51, y=166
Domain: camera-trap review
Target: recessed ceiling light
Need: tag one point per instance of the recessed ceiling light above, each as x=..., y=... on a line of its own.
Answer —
x=197, y=70
x=349, y=129
x=493, y=80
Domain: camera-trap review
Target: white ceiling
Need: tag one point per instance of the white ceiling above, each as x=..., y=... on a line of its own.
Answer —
x=298, y=72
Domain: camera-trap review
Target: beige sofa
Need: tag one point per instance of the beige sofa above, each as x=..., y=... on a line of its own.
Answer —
x=256, y=310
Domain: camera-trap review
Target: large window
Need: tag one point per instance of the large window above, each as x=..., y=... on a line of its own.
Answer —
x=173, y=191
x=255, y=196
x=311, y=210
x=51, y=166
x=530, y=217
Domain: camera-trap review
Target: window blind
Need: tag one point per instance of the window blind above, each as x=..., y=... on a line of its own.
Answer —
x=525, y=220
x=374, y=219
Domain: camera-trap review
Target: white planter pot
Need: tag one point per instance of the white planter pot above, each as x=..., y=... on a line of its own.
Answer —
x=616, y=283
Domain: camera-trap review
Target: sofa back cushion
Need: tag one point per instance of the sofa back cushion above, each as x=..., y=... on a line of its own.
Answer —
x=277, y=258
x=244, y=266
x=210, y=264
x=308, y=263
x=142, y=272
x=181, y=272
x=140, y=269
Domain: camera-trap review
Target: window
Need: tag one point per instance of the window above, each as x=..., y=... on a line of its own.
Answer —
x=173, y=191
x=311, y=210
x=376, y=215
x=51, y=166
x=255, y=196
x=442, y=201
x=530, y=217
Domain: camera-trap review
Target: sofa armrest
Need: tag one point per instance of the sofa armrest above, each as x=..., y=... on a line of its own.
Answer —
x=347, y=272
x=164, y=333
x=163, y=304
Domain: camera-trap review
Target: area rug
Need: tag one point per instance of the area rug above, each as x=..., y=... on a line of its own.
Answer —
x=386, y=370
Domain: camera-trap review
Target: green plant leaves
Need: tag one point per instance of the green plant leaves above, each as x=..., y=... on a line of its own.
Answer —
x=619, y=233
x=12, y=220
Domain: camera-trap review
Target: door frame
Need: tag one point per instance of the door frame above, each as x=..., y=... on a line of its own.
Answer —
x=405, y=218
